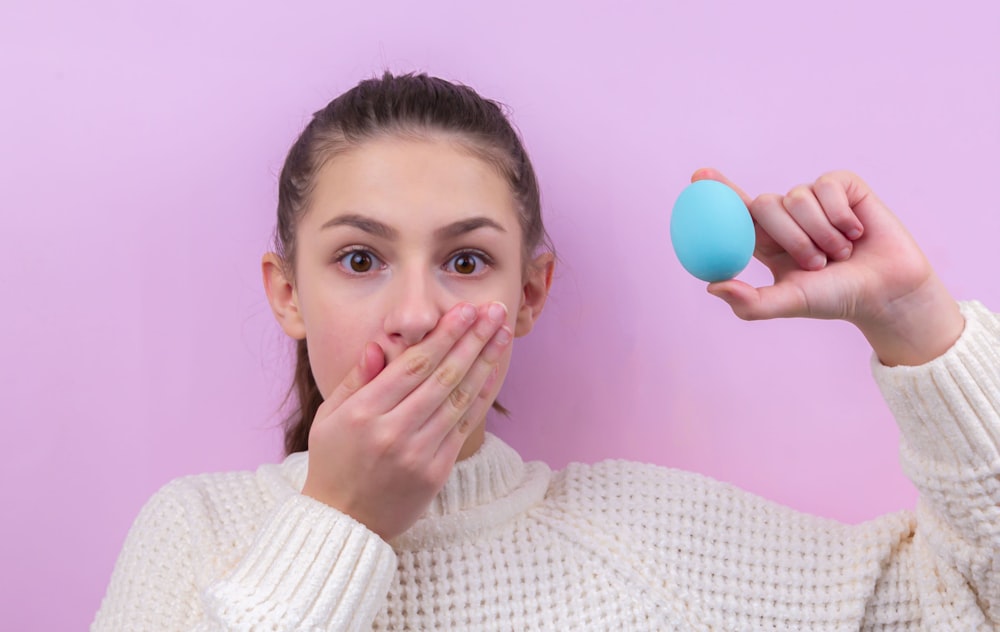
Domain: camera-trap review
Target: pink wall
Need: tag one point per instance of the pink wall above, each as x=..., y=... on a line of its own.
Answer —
x=139, y=153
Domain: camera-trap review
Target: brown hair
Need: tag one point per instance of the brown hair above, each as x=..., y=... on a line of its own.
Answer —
x=411, y=105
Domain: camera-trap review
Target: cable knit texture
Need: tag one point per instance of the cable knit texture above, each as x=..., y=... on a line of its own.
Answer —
x=509, y=545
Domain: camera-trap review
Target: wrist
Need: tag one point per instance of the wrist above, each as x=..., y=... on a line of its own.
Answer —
x=917, y=328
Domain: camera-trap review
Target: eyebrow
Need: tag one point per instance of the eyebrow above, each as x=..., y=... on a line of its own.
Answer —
x=367, y=224
x=379, y=229
x=464, y=226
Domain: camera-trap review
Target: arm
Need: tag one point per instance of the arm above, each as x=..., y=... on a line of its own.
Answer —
x=837, y=252
x=309, y=567
x=948, y=412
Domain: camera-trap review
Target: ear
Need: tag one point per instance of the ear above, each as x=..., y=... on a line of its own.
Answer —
x=537, y=282
x=282, y=296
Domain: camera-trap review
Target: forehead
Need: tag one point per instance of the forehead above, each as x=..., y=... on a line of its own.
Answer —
x=402, y=181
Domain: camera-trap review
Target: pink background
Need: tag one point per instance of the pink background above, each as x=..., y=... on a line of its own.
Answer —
x=140, y=148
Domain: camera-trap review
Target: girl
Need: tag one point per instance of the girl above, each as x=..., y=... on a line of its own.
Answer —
x=409, y=252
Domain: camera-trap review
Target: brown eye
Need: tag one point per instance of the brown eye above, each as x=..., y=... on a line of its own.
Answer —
x=359, y=262
x=467, y=263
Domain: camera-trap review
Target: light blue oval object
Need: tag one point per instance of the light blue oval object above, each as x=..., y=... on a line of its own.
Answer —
x=711, y=231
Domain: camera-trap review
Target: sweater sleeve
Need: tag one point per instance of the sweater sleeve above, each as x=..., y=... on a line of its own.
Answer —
x=948, y=412
x=309, y=567
x=723, y=559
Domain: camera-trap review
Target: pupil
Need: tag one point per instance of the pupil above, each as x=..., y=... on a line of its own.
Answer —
x=465, y=264
x=361, y=262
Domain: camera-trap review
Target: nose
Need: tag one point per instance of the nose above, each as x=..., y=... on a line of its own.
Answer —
x=414, y=310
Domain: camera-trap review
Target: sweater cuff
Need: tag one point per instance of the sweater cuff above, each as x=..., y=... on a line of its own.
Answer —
x=310, y=567
x=948, y=409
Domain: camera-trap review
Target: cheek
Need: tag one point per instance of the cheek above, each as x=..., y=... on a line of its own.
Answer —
x=505, y=288
x=336, y=334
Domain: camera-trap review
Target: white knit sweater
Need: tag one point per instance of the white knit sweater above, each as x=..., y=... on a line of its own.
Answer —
x=509, y=545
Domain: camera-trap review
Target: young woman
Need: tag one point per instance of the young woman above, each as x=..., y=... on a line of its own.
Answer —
x=409, y=253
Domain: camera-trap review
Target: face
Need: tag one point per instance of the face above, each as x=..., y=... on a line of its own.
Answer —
x=397, y=232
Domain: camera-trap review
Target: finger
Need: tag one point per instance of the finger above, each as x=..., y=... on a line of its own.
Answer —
x=371, y=364
x=765, y=246
x=465, y=406
x=770, y=214
x=808, y=213
x=873, y=215
x=708, y=173
x=404, y=374
x=455, y=438
x=448, y=393
x=750, y=303
x=830, y=192
x=857, y=190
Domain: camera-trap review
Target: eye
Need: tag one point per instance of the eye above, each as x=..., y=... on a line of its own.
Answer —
x=359, y=261
x=468, y=263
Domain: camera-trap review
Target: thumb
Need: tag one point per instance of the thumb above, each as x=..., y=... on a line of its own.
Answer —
x=750, y=303
x=371, y=364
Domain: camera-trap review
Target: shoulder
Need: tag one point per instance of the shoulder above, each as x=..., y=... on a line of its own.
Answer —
x=222, y=502
x=620, y=482
x=639, y=496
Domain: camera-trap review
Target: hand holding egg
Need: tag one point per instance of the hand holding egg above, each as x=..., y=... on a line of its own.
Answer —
x=835, y=252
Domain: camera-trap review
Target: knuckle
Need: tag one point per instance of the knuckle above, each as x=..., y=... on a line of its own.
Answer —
x=837, y=215
x=765, y=200
x=842, y=219
x=837, y=175
x=798, y=203
x=447, y=376
x=483, y=332
x=357, y=416
x=383, y=443
x=418, y=365
x=485, y=389
x=799, y=194
x=827, y=180
x=460, y=398
x=827, y=239
x=351, y=384
x=411, y=463
x=801, y=246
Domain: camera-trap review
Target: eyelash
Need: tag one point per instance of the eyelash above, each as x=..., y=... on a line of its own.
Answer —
x=341, y=259
x=483, y=258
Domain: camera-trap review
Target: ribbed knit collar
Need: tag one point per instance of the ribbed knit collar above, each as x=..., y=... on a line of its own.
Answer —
x=487, y=490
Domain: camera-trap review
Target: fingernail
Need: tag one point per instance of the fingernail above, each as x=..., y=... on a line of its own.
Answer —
x=503, y=336
x=817, y=262
x=497, y=312
x=843, y=254
x=854, y=233
x=468, y=313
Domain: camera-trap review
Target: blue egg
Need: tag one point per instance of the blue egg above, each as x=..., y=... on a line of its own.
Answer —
x=711, y=231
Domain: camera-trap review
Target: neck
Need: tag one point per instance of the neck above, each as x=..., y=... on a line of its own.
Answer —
x=473, y=442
